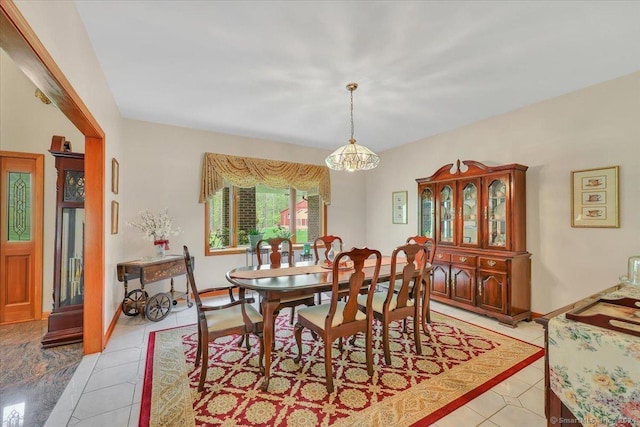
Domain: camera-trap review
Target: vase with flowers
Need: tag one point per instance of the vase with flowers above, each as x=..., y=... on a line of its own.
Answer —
x=156, y=228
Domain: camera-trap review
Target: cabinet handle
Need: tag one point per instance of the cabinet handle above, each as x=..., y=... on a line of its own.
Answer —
x=463, y=259
x=491, y=263
x=486, y=213
x=440, y=256
x=453, y=285
x=480, y=290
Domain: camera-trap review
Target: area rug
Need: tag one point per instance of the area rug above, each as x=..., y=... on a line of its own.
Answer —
x=459, y=362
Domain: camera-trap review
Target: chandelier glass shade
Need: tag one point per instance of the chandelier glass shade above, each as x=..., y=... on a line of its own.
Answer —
x=352, y=157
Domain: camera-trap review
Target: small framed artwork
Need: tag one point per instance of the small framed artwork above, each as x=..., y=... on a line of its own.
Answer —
x=595, y=198
x=115, y=175
x=399, y=207
x=115, y=211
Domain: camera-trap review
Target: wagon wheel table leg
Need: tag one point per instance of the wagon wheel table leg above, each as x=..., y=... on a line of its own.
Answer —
x=133, y=302
x=158, y=306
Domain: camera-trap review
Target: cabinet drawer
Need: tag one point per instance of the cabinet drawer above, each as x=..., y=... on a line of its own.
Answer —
x=440, y=257
x=492, y=263
x=464, y=259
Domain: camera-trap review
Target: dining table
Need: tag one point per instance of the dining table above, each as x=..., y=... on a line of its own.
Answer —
x=299, y=279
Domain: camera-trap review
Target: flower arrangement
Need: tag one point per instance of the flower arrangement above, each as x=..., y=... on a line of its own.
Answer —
x=156, y=228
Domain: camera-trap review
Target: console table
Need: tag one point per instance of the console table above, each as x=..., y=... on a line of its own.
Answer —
x=591, y=373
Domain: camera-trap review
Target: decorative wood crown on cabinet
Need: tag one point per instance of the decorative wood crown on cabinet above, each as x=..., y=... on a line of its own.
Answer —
x=477, y=215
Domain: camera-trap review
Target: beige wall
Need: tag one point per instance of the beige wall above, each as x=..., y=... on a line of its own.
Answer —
x=27, y=125
x=59, y=28
x=594, y=127
x=161, y=168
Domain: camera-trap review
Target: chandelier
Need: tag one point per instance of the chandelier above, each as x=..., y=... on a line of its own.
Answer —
x=352, y=157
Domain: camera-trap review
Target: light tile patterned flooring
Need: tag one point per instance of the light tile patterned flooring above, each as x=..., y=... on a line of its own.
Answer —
x=106, y=388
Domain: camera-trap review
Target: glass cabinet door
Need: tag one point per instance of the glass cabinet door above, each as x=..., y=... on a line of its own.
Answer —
x=71, y=266
x=427, y=213
x=496, y=212
x=447, y=213
x=470, y=214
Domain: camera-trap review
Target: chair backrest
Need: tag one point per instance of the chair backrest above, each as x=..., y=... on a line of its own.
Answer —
x=428, y=242
x=275, y=256
x=356, y=282
x=327, y=243
x=412, y=272
x=192, y=280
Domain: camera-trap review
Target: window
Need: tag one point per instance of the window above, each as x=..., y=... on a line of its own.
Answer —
x=233, y=211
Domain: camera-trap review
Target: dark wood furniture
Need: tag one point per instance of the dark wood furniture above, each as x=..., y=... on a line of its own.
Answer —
x=65, y=323
x=138, y=301
x=275, y=258
x=431, y=246
x=237, y=317
x=402, y=301
x=476, y=214
x=273, y=285
x=343, y=318
x=326, y=242
x=556, y=412
x=277, y=245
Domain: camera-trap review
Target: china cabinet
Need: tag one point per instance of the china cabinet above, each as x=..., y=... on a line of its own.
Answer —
x=66, y=318
x=476, y=214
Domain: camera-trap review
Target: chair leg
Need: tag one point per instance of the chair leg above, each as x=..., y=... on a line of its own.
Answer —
x=199, y=349
x=340, y=343
x=385, y=342
x=205, y=365
x=328, y=367
x=297, y=331
x=261, y=359
x=416, y=334
x=368, y=350
x=426, y=315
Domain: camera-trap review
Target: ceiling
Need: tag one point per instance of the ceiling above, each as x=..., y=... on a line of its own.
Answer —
x=278, y=69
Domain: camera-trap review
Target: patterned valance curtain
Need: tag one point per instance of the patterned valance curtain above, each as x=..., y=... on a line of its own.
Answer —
x=249, y=172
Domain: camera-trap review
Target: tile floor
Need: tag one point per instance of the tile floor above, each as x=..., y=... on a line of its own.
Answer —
x=106, y=388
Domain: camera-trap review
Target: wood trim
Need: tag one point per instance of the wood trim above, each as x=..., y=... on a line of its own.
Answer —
x=21, y=43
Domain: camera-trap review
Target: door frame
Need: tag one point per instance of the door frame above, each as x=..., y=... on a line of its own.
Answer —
x=20, y=42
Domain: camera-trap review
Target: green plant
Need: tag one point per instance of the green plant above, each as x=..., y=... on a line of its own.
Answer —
x=284, y=232
x=254, y=232
x=219, y=238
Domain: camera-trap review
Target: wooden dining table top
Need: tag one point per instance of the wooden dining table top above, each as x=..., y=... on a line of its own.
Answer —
x=298, y=276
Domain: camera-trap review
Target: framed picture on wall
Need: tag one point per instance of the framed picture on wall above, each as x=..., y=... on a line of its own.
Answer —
x=115, y=175
x=399, y=207
x=115, y=211
x=595, y=198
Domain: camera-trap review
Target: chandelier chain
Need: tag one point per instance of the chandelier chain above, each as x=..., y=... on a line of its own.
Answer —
x=351, y=90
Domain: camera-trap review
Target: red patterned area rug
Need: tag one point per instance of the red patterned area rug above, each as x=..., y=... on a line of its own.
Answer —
x=459, y=362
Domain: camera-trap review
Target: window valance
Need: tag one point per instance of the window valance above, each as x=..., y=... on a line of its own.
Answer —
x=249, y=172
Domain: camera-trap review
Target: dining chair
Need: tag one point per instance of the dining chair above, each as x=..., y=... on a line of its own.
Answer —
x=238, y=317
x=275, y=261
x=430, y=244
x=342, y=317
x=403, y=301
x=327, y=243
x=275, y=254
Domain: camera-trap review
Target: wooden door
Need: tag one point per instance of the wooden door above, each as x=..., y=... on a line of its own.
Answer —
x=497, y=211
x=463, y=284
x=440, y=280
x=492, y=291
x=446, y=211
x=21, y=193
